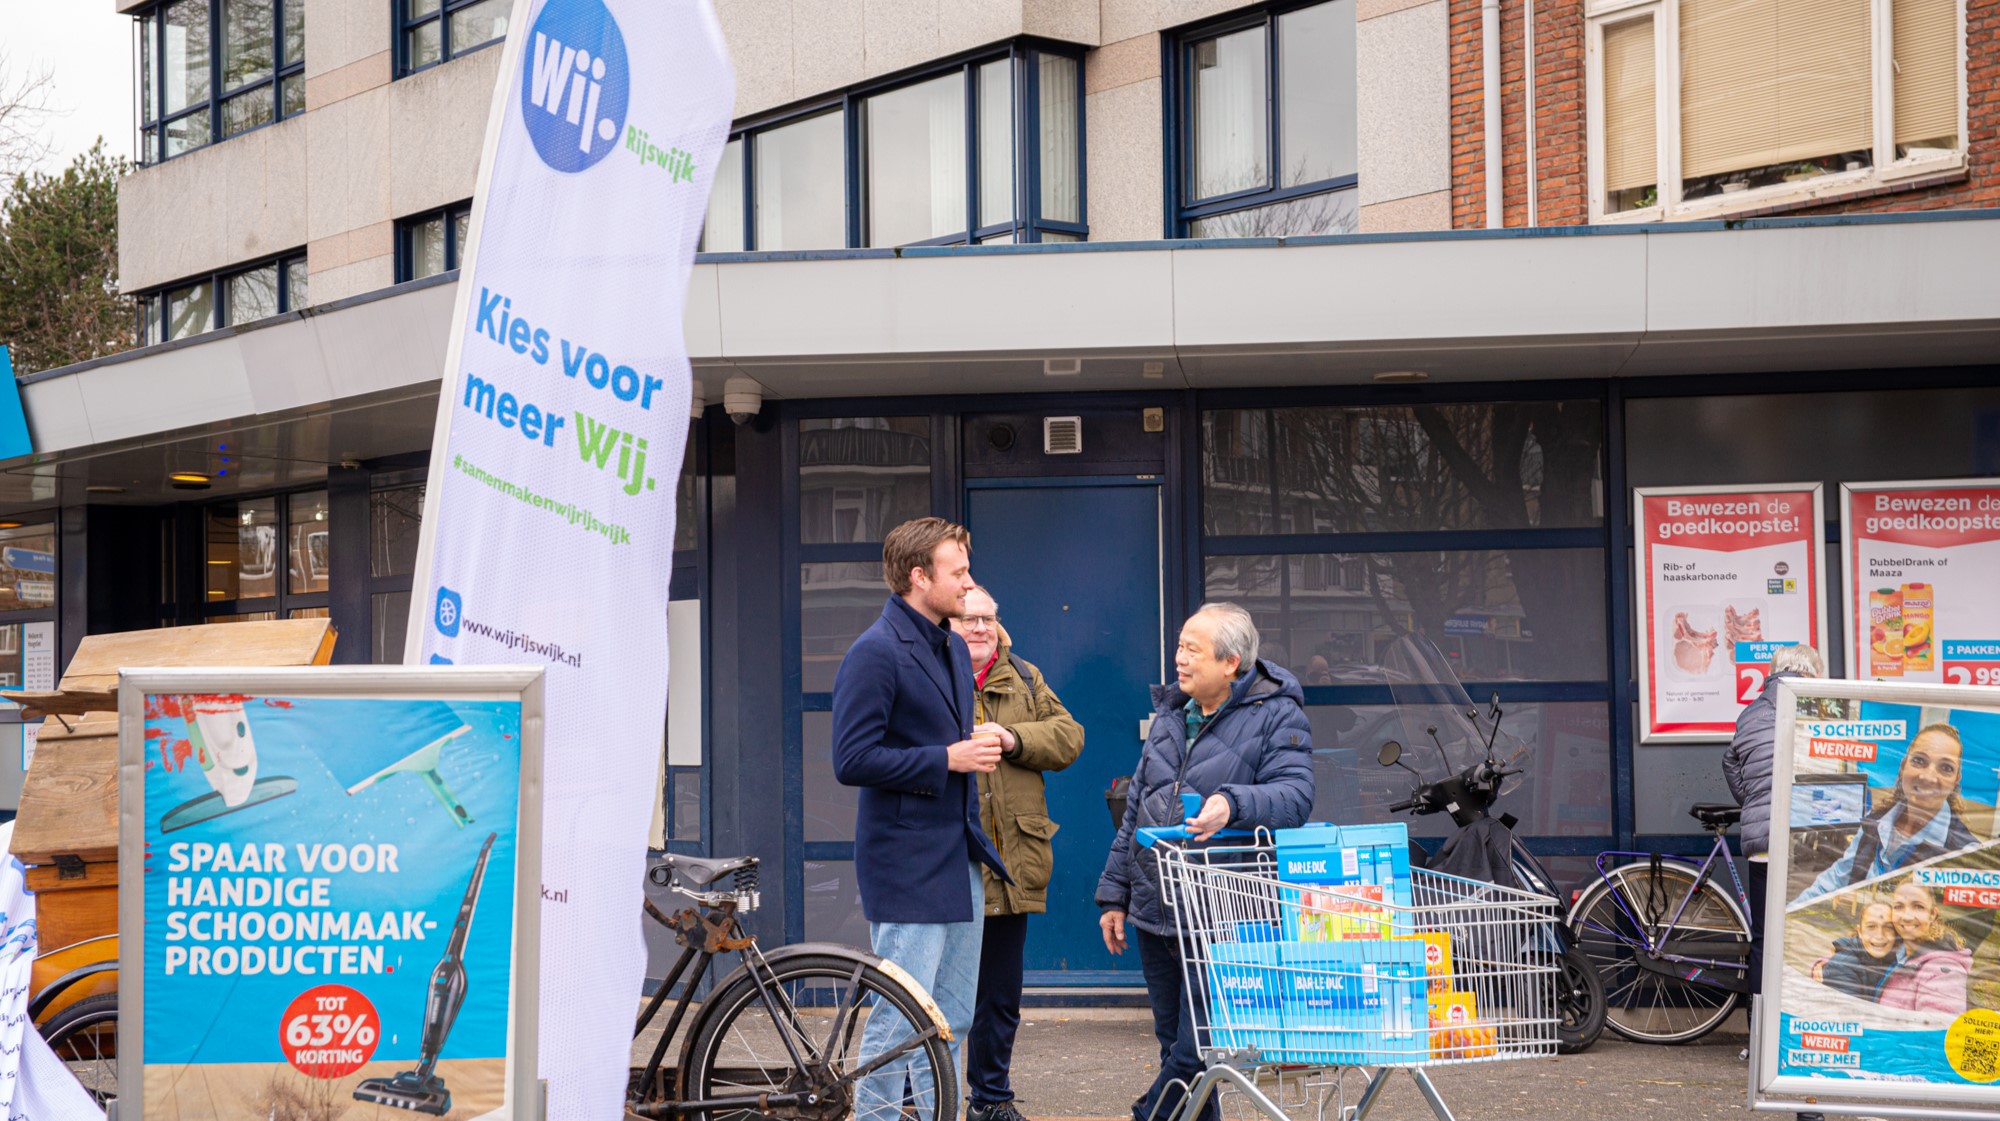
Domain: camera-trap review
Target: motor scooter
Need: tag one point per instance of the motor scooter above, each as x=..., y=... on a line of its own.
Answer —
x=1428, y=694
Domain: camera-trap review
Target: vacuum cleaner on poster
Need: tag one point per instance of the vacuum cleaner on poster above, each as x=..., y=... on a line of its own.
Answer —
x=329, y=889
x=1727, y=577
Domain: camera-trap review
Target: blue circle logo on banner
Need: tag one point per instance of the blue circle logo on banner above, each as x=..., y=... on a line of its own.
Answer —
x=574, y=84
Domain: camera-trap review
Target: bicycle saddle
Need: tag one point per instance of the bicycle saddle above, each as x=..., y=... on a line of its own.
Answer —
x=697, y=871
x=1716, y=813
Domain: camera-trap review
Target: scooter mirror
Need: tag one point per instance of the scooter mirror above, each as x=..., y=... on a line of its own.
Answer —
x=1390, y=755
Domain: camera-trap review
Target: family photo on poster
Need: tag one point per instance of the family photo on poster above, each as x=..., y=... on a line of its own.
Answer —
x=1890, y=970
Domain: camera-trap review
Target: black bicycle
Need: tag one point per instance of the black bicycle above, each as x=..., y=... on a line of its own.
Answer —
x=813, y=1032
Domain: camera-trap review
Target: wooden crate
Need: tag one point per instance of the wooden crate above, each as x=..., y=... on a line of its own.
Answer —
x=67, y=828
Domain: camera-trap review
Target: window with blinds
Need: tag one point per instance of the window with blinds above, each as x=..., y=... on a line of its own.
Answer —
x=1924, y=61
x=1631, y=117
x=1765, y=97
x=1773, y=89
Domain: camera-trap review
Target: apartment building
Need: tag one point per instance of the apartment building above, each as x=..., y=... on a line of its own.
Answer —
x=1365, y=313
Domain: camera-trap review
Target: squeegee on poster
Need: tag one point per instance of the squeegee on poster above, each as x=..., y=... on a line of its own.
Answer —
x=440, y=727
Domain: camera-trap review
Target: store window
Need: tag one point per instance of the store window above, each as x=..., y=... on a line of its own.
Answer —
x=224, y=299
x=27, y=566
x=434, y=31
x=1264, y=112
x=433, y=243
x=267, y=558
x=1708, y=106
x=212, y=69
x=395, y=522
x=1479, y=526
x=936, y=160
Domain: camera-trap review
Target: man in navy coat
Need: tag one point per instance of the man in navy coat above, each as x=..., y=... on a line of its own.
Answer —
x=903, y=732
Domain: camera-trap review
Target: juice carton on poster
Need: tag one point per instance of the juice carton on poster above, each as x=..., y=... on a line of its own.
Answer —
x=1919, y=615
x=1885, y=632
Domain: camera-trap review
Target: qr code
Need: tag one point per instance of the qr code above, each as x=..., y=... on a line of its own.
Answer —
x=1978, y=1057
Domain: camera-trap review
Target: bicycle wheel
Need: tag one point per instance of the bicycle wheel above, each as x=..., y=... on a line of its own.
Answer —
x=843, y=1016
x=1612, y=922
x=85, y=1037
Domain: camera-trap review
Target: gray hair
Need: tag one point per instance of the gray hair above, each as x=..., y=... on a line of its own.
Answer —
x=1235, y=633
x=1801, y=659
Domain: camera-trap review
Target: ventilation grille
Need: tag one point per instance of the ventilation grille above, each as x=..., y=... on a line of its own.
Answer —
x=1062, y=435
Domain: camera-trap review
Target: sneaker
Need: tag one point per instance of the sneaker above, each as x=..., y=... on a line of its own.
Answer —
x=1810, y=1116
x=993, y=1111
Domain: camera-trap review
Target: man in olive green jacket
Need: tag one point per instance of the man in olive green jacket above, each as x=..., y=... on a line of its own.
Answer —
x=1037, y=734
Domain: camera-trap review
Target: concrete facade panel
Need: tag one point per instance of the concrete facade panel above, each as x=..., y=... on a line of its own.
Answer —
x=221, y=205
x=1402, y=107
x=829, y=50
x=438, y=133
x=385, y=344
x=1123, y=161
x=1072, y=21
x=965, y=24
x=351, y=183
x=174, y=389
x=340, y=33
x=899, y=33
x=351, y=279
x=1408, y=215
x=355, y=77
x=1122, y=63
x=759, y=33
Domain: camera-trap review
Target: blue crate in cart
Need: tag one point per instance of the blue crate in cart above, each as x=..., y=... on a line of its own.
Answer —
x=1348, y=854
x=1354, y=1003
x=1245, y=1002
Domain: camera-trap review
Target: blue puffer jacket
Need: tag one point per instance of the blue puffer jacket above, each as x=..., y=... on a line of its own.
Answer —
x=1256, y=750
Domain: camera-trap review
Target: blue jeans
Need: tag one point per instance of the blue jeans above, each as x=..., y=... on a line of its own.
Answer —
x=944, y=958
x=1174, y=1024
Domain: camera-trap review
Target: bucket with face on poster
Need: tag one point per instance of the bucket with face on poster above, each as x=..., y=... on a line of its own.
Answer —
x=1885, y=890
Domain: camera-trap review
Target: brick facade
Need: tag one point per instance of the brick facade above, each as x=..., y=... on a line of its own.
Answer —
x=1562, y=127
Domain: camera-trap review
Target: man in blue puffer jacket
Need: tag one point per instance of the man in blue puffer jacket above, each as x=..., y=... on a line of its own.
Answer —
x=1232, y=730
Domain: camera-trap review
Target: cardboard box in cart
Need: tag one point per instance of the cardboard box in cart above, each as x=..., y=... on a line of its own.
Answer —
x=67, y=828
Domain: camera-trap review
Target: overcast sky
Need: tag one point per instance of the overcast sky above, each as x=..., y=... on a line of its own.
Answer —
x=87, y=48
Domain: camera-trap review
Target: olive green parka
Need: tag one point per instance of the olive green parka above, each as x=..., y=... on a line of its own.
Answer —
x=1012, y=805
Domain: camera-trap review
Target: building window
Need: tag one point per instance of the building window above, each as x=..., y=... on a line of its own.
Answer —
x=267, y=558
x=434, y=31
x=1707, y=106
x=429, y=244
x=223, y=300
x=395, y=520
x=1265, y=125
x=213, y=69
x=981, y=151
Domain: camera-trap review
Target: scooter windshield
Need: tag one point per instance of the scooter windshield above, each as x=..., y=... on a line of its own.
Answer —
x=1441, y=724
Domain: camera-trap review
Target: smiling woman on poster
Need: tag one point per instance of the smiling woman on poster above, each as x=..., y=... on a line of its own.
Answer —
x=1935, y=966
x=1919, y=819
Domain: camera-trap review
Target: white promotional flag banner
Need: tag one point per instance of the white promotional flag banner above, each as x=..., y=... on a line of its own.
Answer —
x=549, y=521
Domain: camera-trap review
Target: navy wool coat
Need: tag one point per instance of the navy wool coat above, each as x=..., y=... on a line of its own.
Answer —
x=896, y=711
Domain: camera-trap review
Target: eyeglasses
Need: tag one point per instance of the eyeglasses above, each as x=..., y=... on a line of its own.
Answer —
x=971, y=621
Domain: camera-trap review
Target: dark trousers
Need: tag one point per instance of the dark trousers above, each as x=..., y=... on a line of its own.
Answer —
x=1757, y=876
x=989, y=1046
x=1173, y=1025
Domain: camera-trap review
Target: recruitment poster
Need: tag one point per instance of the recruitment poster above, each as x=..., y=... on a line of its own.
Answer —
x=1727, y=577
x=1921, y=601
x=1885, y=887
x=324, y=886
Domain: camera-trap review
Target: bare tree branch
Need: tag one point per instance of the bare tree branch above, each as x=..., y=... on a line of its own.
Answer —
x=25, y=111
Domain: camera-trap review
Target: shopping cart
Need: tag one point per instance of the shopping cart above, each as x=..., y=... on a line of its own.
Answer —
x=1303, y=984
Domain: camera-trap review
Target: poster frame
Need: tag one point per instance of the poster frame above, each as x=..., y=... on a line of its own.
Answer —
x=1851, y=617
x=1642, y=590
x=1768, y=1089
x=525, y=1099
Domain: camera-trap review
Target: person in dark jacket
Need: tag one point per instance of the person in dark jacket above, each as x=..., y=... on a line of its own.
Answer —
x=1233, y=731
x=903, y=732
x=1747, y=766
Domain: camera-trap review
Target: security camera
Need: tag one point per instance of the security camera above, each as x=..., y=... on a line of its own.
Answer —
x=742, y=399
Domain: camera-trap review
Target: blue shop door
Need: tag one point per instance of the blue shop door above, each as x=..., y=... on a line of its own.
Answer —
x=1075, y=566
